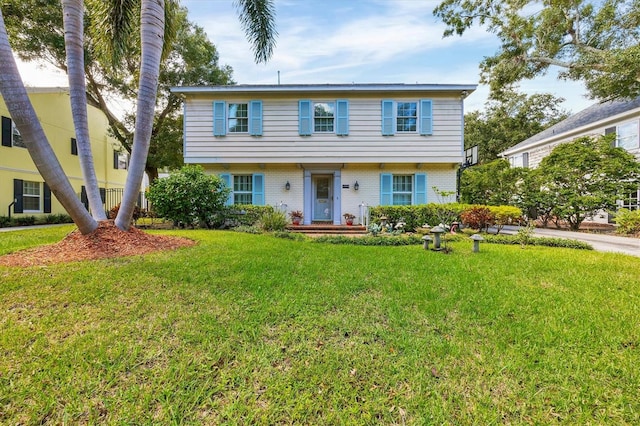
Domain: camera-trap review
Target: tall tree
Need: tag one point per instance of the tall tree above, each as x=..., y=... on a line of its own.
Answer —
x=190, y=59
x=73, y=13
x=257, y=18
x=581, y=177
x=509, y=120
x=597, y=42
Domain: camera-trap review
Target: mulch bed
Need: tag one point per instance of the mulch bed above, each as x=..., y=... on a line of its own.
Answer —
x=106, y=241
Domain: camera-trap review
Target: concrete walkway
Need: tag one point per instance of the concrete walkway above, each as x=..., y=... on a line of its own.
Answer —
x=25, y=228
x=600, y=242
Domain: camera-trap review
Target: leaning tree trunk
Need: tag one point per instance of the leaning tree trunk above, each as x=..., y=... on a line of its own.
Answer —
x=152, y=39
x=73, y=14
x=25, y=118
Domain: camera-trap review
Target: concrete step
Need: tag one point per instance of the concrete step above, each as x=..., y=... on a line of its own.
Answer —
x=328, y=229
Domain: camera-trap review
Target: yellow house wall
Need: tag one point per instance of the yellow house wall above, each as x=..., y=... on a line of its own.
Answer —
x=53, y=109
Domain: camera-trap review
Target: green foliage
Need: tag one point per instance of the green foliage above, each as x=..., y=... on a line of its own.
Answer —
x=35, y=29
x=246, y=214
x=274, y=220
x=508, y=121
x=418, y=215
x=57, y=218
x=581, y=177
x=505, y=215
x=189, y=197
x=536, y=241
x=628, y=222
x=397, y=240
x=24, y=220
x=592, y=42
x=5, y=221
x=495, y=183
x=477, y=217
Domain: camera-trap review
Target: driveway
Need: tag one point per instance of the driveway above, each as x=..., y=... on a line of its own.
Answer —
x=600, y=242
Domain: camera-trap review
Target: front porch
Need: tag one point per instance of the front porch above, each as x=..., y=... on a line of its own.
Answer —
x=328, y=229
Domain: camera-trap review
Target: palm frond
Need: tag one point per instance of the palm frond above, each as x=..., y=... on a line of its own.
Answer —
x=258, y=22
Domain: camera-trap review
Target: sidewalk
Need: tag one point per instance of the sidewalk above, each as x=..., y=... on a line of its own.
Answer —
x=600, y=242
x=26, y=228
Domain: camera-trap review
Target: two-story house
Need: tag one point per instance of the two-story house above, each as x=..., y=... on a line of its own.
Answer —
x=22, y=188
x=619, y=117
x=328, y=149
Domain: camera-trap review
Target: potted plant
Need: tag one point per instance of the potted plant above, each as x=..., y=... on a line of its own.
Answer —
x=348, y=217
x=296, y=217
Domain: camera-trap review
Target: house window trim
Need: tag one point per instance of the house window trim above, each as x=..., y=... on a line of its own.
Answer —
x=636, y=135
x=418, y=188
x=390, y=117
x=241, y=122
x=257, y=188
x=307, y=118
x=254, y=119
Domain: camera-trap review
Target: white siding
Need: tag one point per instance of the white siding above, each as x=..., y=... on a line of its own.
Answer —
x=364, y=144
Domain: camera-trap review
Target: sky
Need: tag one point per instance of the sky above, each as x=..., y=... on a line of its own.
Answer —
x=354, y=41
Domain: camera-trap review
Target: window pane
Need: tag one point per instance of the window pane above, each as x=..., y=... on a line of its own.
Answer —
x=17, y=137
x=402, y=183
x=239, y=198
x=238, y=118
x=324, y=113
x=402, y=190
x=407, y=116
x=628, y=136
x=31, y=196
x=401, y=199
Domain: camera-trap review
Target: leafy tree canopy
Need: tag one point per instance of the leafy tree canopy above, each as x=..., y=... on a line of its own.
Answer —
x=586, y=175
x=492, y=184
x=509, y=120
x=35, y=28
x=597, y=42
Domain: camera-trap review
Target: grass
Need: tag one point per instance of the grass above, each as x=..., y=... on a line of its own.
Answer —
x=251, y=329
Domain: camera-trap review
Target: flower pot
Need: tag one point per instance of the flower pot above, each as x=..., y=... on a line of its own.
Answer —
x=296, y=220
x=349, y=222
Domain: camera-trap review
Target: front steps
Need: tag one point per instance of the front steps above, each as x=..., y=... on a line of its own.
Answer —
x=328, y=229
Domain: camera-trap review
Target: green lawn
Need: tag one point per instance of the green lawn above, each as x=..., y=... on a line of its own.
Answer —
x=252, y=329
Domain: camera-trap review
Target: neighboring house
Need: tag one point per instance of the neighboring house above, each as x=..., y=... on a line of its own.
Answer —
x=619, y=117
x=21, y=181
x=327, y=150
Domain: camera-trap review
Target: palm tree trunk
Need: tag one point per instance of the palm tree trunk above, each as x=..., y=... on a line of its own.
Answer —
x=73, y=14
x=152, y=40
x=25, y=118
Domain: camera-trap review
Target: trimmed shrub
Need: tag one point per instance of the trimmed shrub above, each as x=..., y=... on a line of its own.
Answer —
x=57, y=218
x=24, y=220
x=416, y=216
x=538, y=241
x=477, y=217
x=628, y=222
x=189, y=197
x=5, y=221
x=505, y=215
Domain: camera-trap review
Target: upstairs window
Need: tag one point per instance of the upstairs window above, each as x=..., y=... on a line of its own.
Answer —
x=10, y=134
x=120, y=160
x=323, y=116
x=407, y=117
x=238, y=118
x=627, y=136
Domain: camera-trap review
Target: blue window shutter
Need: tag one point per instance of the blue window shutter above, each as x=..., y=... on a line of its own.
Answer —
x=420, y=189
x=6, y=132
x=17, y=195
x=426, y=117
x=305, y=118
x=342, y=117
x=387, y=118
x=258, y=189
x=226, y=178
x=386, y=189
x=219, y=116
x=255, y=117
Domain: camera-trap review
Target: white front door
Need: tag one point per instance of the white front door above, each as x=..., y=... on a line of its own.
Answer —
x=322, y=197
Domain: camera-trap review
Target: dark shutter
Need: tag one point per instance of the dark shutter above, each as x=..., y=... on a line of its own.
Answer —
x=17, y=195
x=525, y=159
x=47, y=198
x=6, y=131
x=74, y=146
x=115, y=159
x=103, y=194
